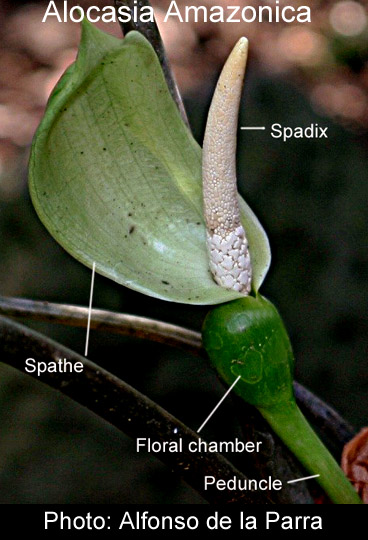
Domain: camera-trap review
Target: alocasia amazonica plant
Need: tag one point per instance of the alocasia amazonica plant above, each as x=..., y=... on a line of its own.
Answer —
x=116, y=177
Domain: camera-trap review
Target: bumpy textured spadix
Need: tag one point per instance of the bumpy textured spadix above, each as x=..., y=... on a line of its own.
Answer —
x=229, y=256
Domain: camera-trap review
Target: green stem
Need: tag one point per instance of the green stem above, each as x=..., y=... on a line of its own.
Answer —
x=291, y=426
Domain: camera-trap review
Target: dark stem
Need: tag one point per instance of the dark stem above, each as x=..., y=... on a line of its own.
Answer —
x=152, y=33
x=125, y=408
x=105, y=321
x=323, y=416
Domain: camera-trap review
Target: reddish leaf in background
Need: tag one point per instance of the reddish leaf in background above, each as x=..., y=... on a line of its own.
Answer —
x=354, y=462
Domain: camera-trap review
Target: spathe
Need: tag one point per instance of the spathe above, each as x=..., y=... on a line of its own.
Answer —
x=115, y=176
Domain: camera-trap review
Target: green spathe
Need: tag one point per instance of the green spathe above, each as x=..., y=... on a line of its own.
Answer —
x=115, y=176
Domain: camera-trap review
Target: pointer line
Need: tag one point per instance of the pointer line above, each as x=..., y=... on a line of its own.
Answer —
x=304, y=478
x=90, y=308
x=218, y=404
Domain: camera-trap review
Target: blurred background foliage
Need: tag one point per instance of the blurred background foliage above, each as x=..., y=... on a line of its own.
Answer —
x=311, y=196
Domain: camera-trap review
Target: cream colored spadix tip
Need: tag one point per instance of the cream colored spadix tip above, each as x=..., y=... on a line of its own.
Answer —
x=227, y=243
x=242, y=45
